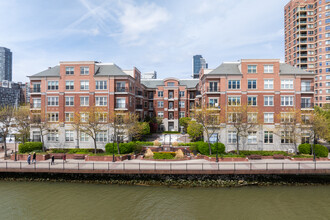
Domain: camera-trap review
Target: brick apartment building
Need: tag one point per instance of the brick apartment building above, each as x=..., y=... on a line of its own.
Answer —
x=268, y=85
x=307, y=42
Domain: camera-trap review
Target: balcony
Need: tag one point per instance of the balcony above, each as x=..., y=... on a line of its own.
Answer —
x=139, y=107
x=307, y=89
x=121, y=89
x=213, y=105
x=307, y=105
x=35, y=90
x=121, y=106
x=35, y=106
x=212, y=89
x=139, y=93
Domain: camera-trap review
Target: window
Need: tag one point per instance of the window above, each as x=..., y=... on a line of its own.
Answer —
x=160, y=93
x=84, y=70
x=52, y=135
x=268, y=68
x=36, y=103
x=286, y=137
x=68, y=117
x=69, y=101
x=101, y=85
x=69, y=85
x=252, y=68
x=252, y=137
x=160, y=114
x=234, y=101
x=52, y=85
x=213, y=102
x=84, y=117
x=268, y=100
x=286, y=100
x=252, y=100
x=287, y=84
x=68, y=135
x=181, y=93
x=268, y=117
x=268, y=84
x=232, y=137
x=234, y=84
x=268, y=137
x=36, y=87
x=252, y=117
x=160, y=104
x=287, y=117
x=101, y=117
x=181, y=104
x=120, y=103
x=84, y=85
x=101, y=136
x=252, y=84
x=52, y=117
x=170, y=84
x=53, y=101
x=101, y=101
x=213, y=87
x=234, y=117
x=69, y=70
x=181, y=114
x=84, y=137
x=327, y=77
x=84, y=101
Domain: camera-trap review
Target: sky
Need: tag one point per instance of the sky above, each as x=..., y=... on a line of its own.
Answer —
x=154, y=35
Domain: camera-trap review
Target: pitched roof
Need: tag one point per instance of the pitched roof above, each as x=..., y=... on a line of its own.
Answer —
x=108, y=70
x=226, y=68
x=288, y=69
x=53, y=71
x=153, y=83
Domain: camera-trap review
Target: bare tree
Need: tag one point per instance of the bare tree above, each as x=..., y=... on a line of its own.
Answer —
x=23, y=122
x=244, y=119
x=6, y=119
x=92, y=123
x=210, y=119
x=43, y=125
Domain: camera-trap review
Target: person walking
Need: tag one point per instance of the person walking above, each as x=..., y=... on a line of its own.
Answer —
x=29, y=159
x=64, y=157
x=34, y=157
x=53, y=160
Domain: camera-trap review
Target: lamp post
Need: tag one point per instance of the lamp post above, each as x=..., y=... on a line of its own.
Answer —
x=217, y=158
x=10, y=140
x=313, y=148
x=113, y=148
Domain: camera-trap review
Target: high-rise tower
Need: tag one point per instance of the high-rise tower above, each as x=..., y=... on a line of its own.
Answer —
x=198, y=63
x=5, y=64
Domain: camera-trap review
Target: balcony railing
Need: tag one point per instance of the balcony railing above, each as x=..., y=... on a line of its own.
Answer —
x=307, y=88
x=139, y=93
x=35, y=90
x=307, y=105
x=32, y=105
x=213, y=105
x=138, y=106
x=121, y=89
x=213, y=89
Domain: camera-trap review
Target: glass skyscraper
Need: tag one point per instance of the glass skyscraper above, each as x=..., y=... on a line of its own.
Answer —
x=5, y=64
x=198, y=63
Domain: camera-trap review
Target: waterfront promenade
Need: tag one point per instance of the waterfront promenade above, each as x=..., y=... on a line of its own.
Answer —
x=175, y=167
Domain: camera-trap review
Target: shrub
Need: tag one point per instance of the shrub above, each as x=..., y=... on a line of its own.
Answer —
x=171, y=132
x=59, y=150
x=29, y=147
x=193, y=146
x=79, y=151
x=221, y=148
x=187, y=144
x=203, y=148
x=164, y=155
x=145, y=143
x=124, y=148
x=321, y=151
x=305, y=148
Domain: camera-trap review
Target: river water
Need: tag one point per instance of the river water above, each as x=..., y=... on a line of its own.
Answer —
x=44, y=200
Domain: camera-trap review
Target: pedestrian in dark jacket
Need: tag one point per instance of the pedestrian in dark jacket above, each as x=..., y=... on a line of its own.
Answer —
x=34, y=157
x=29, y=159
x=53, y=160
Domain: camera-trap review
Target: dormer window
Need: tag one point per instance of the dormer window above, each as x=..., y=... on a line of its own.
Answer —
x=69, y=70
x=170, y=84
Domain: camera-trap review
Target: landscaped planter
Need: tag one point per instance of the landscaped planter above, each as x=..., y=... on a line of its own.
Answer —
x=225, y=159
x=39, y=157
x=108, y=158
x=309, y=159
x=167, y=160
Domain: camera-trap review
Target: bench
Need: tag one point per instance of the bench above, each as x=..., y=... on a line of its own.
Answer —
x=79, y=156
x=254, y=157
x=278, y=156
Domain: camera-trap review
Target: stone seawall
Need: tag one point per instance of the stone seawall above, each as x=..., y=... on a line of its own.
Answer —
x=172, y=180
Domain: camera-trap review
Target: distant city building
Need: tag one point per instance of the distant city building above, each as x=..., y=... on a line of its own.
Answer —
x=5, y=64
x=306, y=24
x=198, y=63
x=10, y=94
x=149, y=75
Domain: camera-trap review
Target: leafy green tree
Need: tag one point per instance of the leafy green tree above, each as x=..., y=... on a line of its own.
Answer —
x=195, y=130
x=184, y=122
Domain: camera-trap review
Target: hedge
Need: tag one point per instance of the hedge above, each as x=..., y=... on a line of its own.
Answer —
x=171, y=132
x=305, y=148
x=203, y=148
x=164, y=155
x=321, y=151
x=76, y=150
x=28, y=147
